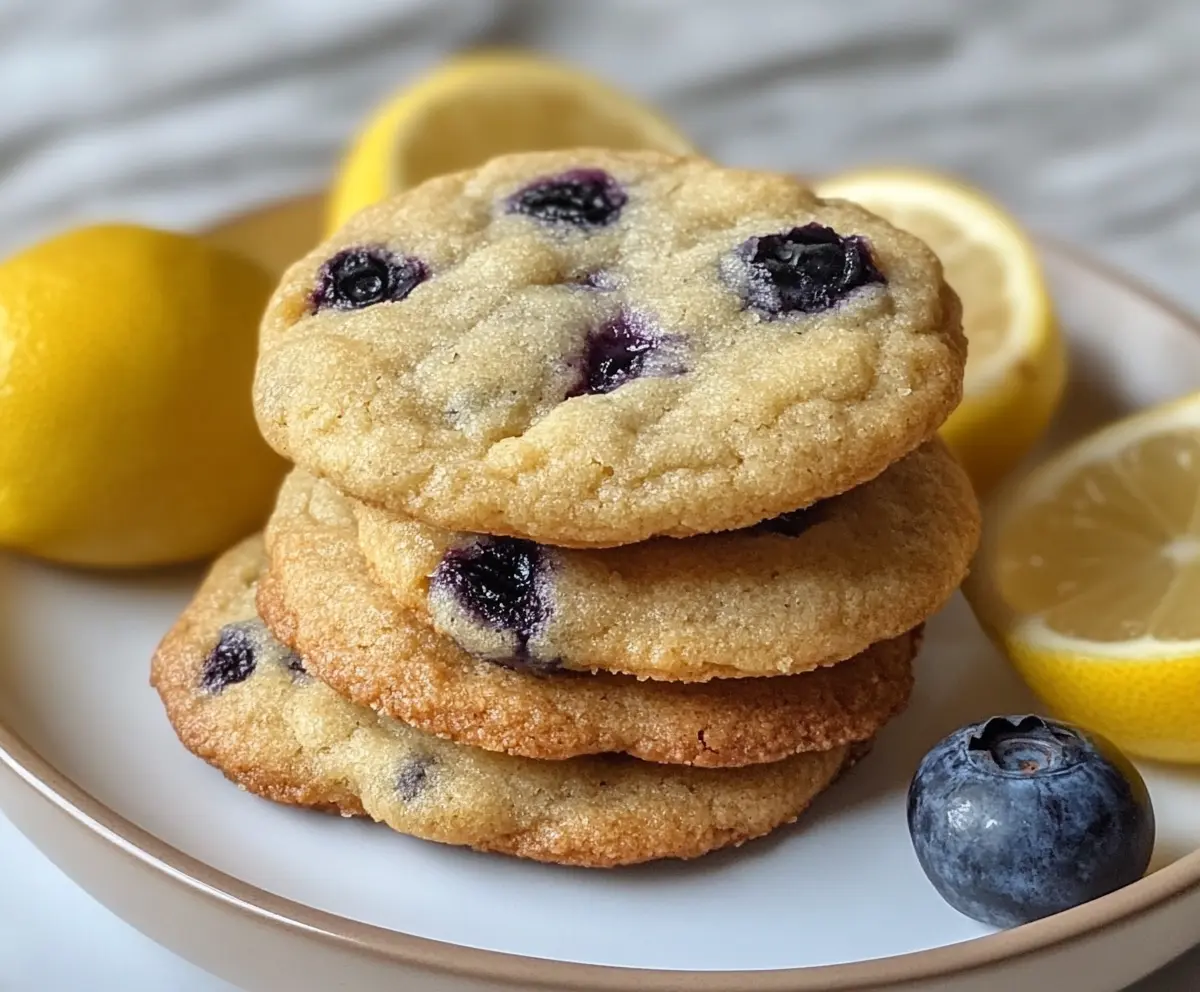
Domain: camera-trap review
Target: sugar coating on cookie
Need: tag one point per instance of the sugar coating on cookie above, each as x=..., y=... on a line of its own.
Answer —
x=787, y=595
x=282, y=733
x=591, y=348
x=319, y=598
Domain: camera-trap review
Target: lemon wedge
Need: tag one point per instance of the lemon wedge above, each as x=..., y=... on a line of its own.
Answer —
x=1016, y=363
x=1089, y=579
x=478, y=106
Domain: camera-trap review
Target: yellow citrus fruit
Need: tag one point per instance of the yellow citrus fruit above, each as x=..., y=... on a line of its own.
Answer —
x=126, y=358
x=1089, y=579
x=481, y=105
x=1016, y=365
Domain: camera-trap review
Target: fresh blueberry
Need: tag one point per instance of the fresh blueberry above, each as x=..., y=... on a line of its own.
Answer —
x=1017, y=818
x=621, y=350
x=414, y=777
x=493, y=597
x=361, y=277
x=580, y=198
x=807, y=269
x=233, y=659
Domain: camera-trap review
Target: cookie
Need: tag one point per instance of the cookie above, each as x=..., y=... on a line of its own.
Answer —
x=318, y=597
x=247, y=705
x=590, y=348
x=803, y=590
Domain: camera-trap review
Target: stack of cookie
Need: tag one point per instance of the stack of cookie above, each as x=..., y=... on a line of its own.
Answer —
x=616, y=516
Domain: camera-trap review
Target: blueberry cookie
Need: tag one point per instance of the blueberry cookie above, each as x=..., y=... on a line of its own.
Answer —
x=805, y=589
x=591, y=348
x=318, y=597
x=246, y=704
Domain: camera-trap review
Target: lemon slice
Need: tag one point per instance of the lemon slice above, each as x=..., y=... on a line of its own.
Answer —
x=478, y=106
x=1089, y=579
x=1016, y=364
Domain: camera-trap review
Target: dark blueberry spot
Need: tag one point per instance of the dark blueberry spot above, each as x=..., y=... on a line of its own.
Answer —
x=581, y=198
x=1019, y=817
x=621, y=350
x=295, y=664
x=361, y=277
x=795, y=522
x=501, y=582
x=414, y=777
x=232, y=660
x=806, y=270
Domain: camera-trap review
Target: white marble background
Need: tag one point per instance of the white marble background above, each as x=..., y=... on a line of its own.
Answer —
x=1083, y=116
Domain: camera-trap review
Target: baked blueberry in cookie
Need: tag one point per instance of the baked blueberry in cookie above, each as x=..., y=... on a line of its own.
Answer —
x=415, y=776
x=494, y=593
x=796, y=522
x=579, y=198
x=361, y=277
x=232, y=659
x=622, y=349
x=807, y=269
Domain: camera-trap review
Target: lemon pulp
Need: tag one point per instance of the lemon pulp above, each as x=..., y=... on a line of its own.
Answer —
x=1090, y=580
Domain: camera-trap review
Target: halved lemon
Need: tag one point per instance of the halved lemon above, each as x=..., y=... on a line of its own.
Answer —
x=1089, y=579
x=1016, y=364
x=481, y=105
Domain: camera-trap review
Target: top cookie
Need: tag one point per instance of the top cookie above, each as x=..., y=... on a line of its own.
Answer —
x=591, y=348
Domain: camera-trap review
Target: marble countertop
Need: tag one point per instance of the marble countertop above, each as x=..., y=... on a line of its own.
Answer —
x=1083, y=118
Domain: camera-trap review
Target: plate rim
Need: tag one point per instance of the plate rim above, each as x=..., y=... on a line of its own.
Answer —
x=1090, y=920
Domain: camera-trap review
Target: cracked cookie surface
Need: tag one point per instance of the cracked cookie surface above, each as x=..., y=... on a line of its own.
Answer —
x=591, y=348
x=249, y=706
x=319, y=598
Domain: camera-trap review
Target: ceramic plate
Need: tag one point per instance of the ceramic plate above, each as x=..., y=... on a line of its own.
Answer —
x=276, y=898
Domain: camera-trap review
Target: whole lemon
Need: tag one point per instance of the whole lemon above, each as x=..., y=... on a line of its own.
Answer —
x=127, y=436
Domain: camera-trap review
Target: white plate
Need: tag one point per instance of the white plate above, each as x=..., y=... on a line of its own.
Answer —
x=96, y=777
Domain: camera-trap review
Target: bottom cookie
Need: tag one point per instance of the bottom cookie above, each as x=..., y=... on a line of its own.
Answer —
x=240, y=700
